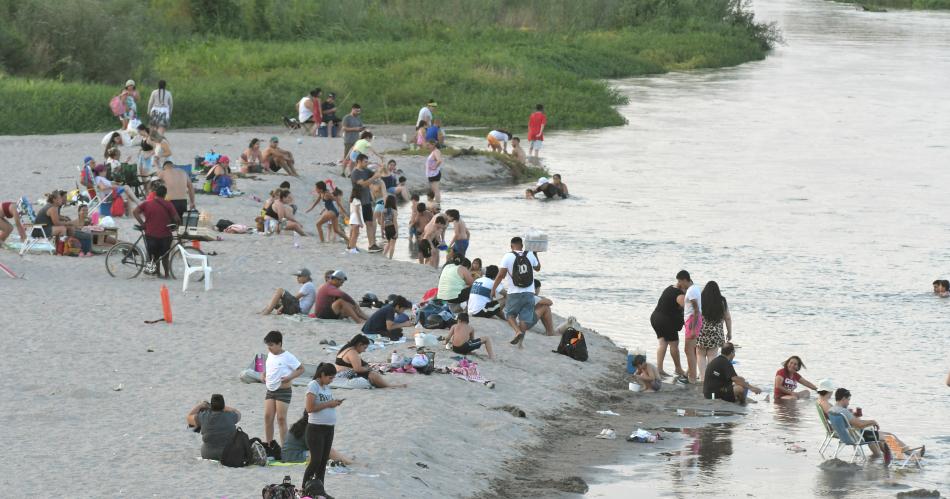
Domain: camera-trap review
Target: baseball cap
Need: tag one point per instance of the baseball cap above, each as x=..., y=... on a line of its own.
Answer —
x=432, y=103
x=826, y=385
x=274, y=139
x=304, y=272
x=338, y=274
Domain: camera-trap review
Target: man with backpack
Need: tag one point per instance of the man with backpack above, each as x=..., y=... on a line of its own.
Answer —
x=517, y=271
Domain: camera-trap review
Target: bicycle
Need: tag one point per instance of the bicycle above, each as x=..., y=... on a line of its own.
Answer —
x=128, y=260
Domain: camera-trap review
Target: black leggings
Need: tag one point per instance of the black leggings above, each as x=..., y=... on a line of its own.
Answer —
x=462, y=297
x=319, y=441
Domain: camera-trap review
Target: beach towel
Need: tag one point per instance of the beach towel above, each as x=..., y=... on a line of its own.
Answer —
x=468, y=371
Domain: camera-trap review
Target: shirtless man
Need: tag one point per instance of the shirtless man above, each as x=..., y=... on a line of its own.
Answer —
x=463, y=340
x=276, y=158
x=461, y=235
x=181, y=193
x=432, y=237
x=516, y=151
x=418, y=221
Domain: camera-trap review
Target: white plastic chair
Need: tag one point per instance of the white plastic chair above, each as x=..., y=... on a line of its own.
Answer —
x=190, y=260
x=35, y=234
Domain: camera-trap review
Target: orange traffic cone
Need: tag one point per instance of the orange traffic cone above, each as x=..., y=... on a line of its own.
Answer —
x=166, y=305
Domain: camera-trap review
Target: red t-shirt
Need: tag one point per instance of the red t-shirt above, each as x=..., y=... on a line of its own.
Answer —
x=789, y=383
x=326, y=295
x=158, y=214
x=534, y=125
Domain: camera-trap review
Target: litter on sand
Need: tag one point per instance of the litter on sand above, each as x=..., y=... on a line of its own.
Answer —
x=607, y=434
x=607, y=413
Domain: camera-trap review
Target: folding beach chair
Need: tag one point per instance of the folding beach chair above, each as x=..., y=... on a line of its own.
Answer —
x=34, y=233
x=900, y=456
x=849, y=436
x=86, y=179
x=829, y=432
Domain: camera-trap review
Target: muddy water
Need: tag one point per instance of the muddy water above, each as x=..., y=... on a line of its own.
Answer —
x=813, y=187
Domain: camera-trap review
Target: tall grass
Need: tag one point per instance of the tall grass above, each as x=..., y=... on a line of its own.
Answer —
x=485, y=73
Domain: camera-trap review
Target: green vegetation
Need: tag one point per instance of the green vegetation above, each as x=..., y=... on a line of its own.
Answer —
x=247, y=62
x=881, y=5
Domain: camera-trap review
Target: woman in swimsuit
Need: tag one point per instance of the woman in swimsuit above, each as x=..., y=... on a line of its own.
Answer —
x=330, y=214
x=8, y=209
x=251, y=159
x=350, y=364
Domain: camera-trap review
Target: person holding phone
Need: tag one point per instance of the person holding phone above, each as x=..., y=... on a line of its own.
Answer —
x=321, y=421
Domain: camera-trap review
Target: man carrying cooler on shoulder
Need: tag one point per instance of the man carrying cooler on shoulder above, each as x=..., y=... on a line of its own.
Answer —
x=517, y=269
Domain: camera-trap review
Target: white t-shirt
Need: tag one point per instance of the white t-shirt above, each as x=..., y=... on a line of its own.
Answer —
x=501, y=136
x=303, y=113
x=508, y=262
x=424, y=115
x=356, y=212
x=279, y=366
x=480, y=295
x=693, y=293
x=323, y=394
x=309, y=295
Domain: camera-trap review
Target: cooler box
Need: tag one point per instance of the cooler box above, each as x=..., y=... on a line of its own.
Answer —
x=535, y=241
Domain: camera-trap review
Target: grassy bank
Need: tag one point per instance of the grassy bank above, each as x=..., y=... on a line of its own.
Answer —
x=900, y=4
x=483, y=73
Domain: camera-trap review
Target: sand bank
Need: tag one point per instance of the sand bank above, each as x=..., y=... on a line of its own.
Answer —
x=96, y=407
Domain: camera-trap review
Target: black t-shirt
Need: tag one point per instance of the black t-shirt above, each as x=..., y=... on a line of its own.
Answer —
x=326, y=106
x=718, y=377
x=549, y=190
x=667, y=306
x=377, y=322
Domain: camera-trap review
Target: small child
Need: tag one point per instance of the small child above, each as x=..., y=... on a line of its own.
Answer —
x=356, y=221
x=390, y=226
x=463, y=340
x=280, y=369
x=431, y=202
x=647, y=375
x=432, y=237
x=460, y=234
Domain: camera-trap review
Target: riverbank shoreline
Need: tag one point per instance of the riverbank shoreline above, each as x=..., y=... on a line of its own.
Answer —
x=132, y=383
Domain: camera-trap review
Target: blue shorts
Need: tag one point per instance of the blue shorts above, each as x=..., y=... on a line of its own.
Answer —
x=521, y=305
x=391, y=190
x=460, y=247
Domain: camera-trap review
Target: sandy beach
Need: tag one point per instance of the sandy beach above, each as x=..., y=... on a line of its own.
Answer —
x=98, y=406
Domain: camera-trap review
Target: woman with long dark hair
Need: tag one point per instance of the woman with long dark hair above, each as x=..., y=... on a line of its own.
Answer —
x=350, y=363
x=160, y=108
x=321, y=410
x=715, y=315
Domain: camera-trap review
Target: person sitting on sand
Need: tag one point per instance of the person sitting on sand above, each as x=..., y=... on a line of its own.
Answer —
x=455, y=281
x=217, y=424
x=350, y=363
x=480, y=303
x=288, y=304
x=220, y=175
x=942, y=288
x=56, y=225
x=462, y=338
x=389, y=320
x=333, y=303
x=787, y=380
x=721, y=381
x=276, y=158
x=647, y=374
x=498, y=141
x=8, y=209
x=108, y=192
x=517, y=153
x=295, y=450
x=251, y=160
x=279, y=210
x=432, y=236
x=542, y=309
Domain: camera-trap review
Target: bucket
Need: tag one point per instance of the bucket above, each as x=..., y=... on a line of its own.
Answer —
x=535, y=240
x=630, y=368
x=420, y=340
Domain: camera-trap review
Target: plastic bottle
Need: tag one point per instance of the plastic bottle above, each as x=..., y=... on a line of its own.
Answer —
x=259, y=363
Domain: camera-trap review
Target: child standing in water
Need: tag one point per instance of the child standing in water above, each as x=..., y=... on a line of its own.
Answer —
x=460, y=236
x=390, y=225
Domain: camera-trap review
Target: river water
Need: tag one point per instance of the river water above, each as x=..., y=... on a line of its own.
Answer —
x=813, y=187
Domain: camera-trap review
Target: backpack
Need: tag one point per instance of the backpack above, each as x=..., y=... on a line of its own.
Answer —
x=117, y=105
x=522, y=272
x=573, y=345
x=424, y=363
x=72, y=247
x=442, y=319
x=285, y=490
x=237, y=454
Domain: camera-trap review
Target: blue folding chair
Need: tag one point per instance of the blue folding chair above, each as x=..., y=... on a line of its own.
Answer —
x=849, y=436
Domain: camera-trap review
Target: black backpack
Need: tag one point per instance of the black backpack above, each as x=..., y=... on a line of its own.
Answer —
x=223, y=224
x=573, y=345
x=237, y=454
x=522, y=272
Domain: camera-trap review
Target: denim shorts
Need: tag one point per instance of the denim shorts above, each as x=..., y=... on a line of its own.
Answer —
x=521, y=305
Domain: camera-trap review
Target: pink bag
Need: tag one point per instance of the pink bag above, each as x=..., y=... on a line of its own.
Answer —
x=117, y=105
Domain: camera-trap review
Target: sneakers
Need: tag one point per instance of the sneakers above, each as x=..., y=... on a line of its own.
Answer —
x=353, y=251
x=374, y=249
x=259, y=455
x=607, y=434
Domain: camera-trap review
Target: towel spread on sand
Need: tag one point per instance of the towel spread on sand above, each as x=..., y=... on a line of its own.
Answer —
x=468, y=371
